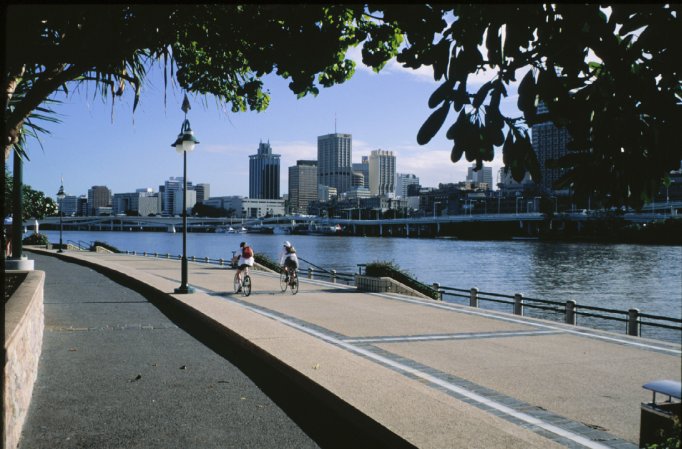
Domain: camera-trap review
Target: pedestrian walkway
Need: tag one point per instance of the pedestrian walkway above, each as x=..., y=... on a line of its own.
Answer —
x=431, y=374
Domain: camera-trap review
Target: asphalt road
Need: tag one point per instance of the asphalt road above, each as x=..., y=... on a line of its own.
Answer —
x=115, y=372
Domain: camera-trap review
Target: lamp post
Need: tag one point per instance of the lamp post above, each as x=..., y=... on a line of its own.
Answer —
x=183, y=144
x=60, y=199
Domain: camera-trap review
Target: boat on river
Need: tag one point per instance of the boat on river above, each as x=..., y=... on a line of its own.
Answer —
x=317, y=229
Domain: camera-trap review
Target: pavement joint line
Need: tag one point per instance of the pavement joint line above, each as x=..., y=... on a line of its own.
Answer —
x=426, y=377
x=462, y=336
x=532, y=323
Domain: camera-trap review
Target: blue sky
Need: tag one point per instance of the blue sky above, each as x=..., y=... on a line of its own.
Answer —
x=132, y=150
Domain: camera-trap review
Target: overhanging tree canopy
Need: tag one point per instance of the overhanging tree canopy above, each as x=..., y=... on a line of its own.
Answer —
x=622, y=109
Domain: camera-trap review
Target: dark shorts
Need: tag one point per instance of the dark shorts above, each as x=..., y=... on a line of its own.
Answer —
x=242, y=266
x=290, y=264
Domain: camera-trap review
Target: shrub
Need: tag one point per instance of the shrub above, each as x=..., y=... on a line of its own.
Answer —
x=36, y=239
x=111, y=248
x=391, y=270
x=264, y=260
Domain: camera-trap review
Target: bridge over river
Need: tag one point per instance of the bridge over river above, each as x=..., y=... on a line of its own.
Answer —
x=527, y=223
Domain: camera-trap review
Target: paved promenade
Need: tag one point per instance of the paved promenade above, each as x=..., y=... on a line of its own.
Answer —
x=390, y=370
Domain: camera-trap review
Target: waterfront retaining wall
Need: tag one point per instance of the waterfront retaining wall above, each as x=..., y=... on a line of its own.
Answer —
x=24, y=323
x=385, y=284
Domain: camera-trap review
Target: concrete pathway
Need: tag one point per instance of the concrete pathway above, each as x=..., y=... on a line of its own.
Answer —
x=427, y=373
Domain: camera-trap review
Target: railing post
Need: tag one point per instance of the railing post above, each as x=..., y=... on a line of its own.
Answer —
x=570, y=312
x=156, y=254
x=206, y=259
x=310, y=273
x=222, y=262
x=436, y=287
x=134, y=253
x=633, y=322
x=167, y=255
x=518, y=304
x=144, y=254
x=473, y=298
x=333, y=276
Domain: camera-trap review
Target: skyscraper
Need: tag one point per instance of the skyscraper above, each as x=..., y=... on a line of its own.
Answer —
x=302, y=186
x=264, y=173
x=549, y=142
x=402, y=181
x=483, y=176
x=98, y=196
x=169, y=191
x=363, y=169
x=381, y=172
x=334, y=155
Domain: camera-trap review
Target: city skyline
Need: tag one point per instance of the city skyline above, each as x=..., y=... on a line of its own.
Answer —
x=380, y=111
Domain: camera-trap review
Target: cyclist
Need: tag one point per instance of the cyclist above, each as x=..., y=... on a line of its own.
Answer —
x=289, y=260
x=245, y=259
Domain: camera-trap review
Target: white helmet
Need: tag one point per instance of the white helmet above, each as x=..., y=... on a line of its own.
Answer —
x=287, y=244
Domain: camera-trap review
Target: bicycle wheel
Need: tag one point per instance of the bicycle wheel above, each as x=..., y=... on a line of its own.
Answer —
x=282, y=281
x=246, y=285
x=294, y=285
x=236, y=284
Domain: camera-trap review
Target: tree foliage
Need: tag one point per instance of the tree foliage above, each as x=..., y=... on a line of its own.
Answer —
x=36, y=204
x=610, y=75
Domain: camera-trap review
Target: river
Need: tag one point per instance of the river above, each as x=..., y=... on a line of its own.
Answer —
x=616, y=276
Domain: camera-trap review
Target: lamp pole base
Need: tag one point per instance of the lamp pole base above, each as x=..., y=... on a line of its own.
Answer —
x=183, y=289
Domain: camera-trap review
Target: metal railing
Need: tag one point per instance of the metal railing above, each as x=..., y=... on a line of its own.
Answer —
x=80, y=245
x=633, y=320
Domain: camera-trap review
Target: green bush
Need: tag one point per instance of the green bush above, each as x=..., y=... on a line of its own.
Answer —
x=391, y=270
x=111, y=248
x=264, y=260
x=36, y=239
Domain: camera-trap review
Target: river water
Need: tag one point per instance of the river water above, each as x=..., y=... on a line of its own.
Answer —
x=615, y=276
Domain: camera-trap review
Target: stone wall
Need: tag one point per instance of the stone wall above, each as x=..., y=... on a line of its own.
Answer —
x=385, y=284
x=24, y=323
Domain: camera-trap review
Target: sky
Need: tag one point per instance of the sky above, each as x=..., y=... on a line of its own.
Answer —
x=96, y=144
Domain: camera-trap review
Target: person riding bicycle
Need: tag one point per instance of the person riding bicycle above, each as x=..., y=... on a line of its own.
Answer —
x=289, y=260
x=245, y=259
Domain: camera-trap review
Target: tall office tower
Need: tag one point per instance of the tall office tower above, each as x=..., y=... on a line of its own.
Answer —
x=381, y=172
x=302, y=186
x=203, y=192
x=172, y=189
x=549, y=142
x=402, y=182
x=363, y=167
x=264, y=173
x=334, y=168
x=98, y=196
x=483, y=176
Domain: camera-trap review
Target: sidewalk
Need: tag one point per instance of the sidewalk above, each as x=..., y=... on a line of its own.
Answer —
x=428, y=373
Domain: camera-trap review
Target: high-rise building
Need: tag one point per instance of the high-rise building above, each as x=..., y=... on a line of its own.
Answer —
x=480, y=177
x=381, y=172
x=98, y=196
x=363, y=168
x=549, y=143
x=264, y=173
x=68, y=205
x=402, y=183
x=203, y=192
x=171, y=189
x=302, y=185
x=334, y=155
x=143, y=202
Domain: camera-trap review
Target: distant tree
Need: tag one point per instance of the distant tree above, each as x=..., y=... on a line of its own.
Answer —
x=36, y=204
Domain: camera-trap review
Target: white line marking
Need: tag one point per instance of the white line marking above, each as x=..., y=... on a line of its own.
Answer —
x=434, y=380
x=445, y=337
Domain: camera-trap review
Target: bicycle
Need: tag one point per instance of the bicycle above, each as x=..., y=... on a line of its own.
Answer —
x=292, y=282
x=245, y=285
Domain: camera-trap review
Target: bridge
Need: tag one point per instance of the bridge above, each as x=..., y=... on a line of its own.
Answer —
x=408, y=226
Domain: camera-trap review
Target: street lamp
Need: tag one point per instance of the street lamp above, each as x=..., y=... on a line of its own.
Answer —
x=60, y=199
x=184, y=144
